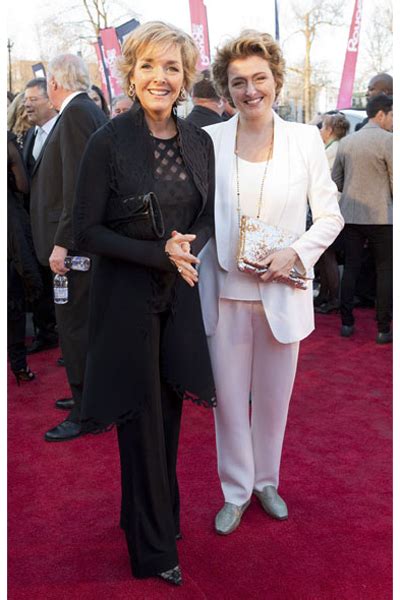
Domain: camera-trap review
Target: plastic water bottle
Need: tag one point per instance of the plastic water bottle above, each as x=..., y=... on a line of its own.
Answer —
x=77, y=263
x=60, y=288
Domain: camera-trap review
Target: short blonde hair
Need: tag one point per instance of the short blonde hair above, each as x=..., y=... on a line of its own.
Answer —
x=249, y=43
x=162, y=35
x=70, y=72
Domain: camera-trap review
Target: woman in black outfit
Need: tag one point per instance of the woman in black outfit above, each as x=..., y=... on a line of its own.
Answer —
x=23, y=276
x=98, y=97
x=147, y=346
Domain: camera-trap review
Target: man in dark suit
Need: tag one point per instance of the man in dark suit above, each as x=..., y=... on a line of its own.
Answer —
x=42, y=114
x=52, y=193
x=208, y=106
x=363, y=172
x=382, y=83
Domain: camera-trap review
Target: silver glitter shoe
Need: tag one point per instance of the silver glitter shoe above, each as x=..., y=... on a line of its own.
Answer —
x=228, y=518
x=272, y=503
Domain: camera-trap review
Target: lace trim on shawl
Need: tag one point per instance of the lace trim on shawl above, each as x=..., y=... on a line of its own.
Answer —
x=94, y=426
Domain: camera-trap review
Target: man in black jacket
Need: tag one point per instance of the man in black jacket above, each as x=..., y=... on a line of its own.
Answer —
x=379, y=84
x=208, y=106
x=52, y=194
x=42, y=115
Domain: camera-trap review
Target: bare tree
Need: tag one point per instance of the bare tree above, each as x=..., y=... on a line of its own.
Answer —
x=312, y=18
x=77, y=28
x=101, y=13
x=379, y=40
x=97, y=12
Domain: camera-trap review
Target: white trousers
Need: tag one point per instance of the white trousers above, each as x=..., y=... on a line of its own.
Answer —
x=247, y=359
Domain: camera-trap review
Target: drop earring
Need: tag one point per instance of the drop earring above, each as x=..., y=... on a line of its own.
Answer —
x=182, y=95
x=131, y=90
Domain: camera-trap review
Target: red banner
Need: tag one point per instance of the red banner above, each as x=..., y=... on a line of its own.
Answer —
x=198, y=19
x=111, y=49
x=350, y=61
x=104, y=87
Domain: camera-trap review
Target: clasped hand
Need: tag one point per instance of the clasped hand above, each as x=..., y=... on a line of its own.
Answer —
x=279, y=264
x=178, y=250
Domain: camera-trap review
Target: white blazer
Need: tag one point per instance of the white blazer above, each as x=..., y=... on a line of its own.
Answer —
x=299, y=171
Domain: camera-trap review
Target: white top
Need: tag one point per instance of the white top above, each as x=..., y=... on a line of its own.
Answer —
x=238, y=285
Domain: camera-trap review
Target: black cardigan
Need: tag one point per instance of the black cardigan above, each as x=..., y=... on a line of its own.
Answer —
x=120, y=370
x=119, y=161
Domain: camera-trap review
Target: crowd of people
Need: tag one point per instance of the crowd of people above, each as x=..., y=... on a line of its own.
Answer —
x=158, y=205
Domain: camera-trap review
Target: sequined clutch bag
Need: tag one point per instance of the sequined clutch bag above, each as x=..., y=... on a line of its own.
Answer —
x=257, y=240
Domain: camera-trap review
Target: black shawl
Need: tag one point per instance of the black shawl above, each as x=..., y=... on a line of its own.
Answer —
x=121, y=361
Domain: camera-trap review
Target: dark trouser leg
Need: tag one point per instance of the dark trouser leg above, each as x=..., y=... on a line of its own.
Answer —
x=16, y=320
x=354, y=239
x=329, y=275
x=44, y=318
x=147, y=509
x=172, y=412
x=72, y=322
x=366, y=281
x=381, y=241
x=332, y=274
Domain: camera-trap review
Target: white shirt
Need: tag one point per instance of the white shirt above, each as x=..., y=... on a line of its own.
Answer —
x=41, y=133
x=69, y=98
x=238, y=285
x=48, y=126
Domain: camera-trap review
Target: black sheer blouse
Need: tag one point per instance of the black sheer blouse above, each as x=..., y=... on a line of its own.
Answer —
x=180, y=203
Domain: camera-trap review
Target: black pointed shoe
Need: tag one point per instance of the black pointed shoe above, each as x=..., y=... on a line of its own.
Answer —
x=65, y=403
x=347, y=330
x=24, y=374
x=173, y=576
x=67, y=430
x=384, y=337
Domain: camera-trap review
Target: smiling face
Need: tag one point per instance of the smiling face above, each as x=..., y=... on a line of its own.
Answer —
x=158, y=77
x=252, y=86
x=37, y=105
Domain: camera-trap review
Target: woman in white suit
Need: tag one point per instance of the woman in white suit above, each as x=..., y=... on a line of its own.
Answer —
x=255, y=323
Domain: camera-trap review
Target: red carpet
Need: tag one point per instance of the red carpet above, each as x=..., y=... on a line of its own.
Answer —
x=64, y=539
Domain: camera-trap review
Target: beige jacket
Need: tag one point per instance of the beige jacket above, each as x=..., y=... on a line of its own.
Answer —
x=363, y=172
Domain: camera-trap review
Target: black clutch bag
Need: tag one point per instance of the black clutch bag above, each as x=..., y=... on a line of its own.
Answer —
x=138, y=217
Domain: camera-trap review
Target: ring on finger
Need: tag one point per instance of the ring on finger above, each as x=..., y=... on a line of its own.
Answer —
x=180, y=269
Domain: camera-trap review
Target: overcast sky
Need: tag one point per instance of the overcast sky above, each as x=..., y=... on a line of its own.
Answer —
x=224, y=18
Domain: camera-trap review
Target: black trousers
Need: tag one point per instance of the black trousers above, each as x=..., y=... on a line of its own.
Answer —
x=43, y=312
x=148, y=449
x=15, y=319
x=380, y=239
x=72, y=322
x=329, y=275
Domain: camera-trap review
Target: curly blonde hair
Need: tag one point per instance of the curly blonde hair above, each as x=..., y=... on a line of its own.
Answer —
x=249, y=43
x=161, y=35
x=17, y=119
